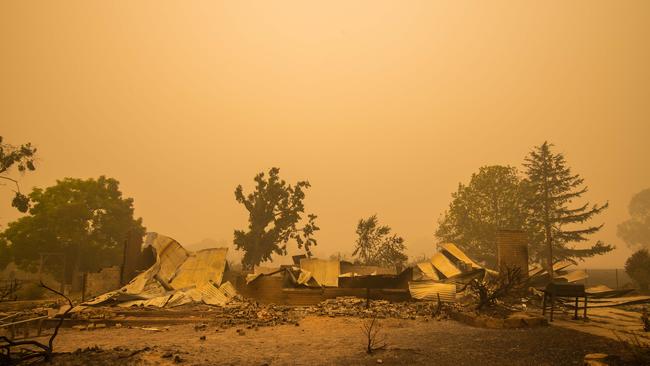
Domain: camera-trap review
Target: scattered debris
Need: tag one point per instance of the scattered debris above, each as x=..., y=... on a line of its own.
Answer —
x=597, y=359
x=450, y=283
x=152, y=329
x=381, y=309
x=252, y=314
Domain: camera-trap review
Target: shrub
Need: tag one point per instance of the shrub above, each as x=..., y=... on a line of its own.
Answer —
x=638, y=268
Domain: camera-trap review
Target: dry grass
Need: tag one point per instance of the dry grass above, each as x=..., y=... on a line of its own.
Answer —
x=636, y=349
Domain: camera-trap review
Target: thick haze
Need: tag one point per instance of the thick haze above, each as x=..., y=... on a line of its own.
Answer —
x=383, y=106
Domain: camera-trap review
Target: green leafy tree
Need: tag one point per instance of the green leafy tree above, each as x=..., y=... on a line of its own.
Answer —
x=638, y=268
x=493, y=199
x=551, y=189
x=375, y=246
x=636, y=230
x=275, y=211
x=21, y=157
x=86, y=220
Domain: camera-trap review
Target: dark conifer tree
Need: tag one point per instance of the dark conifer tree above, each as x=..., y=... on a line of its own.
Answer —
x=553, y=222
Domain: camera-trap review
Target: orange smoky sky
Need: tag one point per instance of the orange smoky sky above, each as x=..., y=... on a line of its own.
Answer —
x=384, y=106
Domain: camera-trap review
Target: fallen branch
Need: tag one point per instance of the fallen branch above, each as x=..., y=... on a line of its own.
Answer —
x=65, y=313
x=7, y=345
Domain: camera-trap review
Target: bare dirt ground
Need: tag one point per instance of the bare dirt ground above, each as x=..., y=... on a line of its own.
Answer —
x=330, y=341
x=611, y=322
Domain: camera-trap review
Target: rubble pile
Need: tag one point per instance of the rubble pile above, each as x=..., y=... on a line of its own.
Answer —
x=99, y=313
x=356, y=307
x=253, y=314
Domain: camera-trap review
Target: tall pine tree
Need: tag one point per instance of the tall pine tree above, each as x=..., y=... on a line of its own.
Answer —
x=553, y=222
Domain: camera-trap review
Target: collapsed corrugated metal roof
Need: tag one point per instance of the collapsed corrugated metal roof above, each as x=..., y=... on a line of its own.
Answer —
x=325, y=272
x=538, y=275
x=441, y=263
x=176, y=278
x=453, y=250
x=430, y=290
x=170, y=255
x=157, y=302
x=305, y=278
x=449, y=262
x=200, y=268
x=208, y=294
x=438, y=276
x=351, y=270
x=428, y=271
x=294, y=275
x=602, y=291
x=265, y=270
x=573, y=276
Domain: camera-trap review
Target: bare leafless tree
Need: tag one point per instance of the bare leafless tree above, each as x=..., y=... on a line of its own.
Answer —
x=375, y=339
x=8, y=291
x=45, y=351
x=489, y=291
